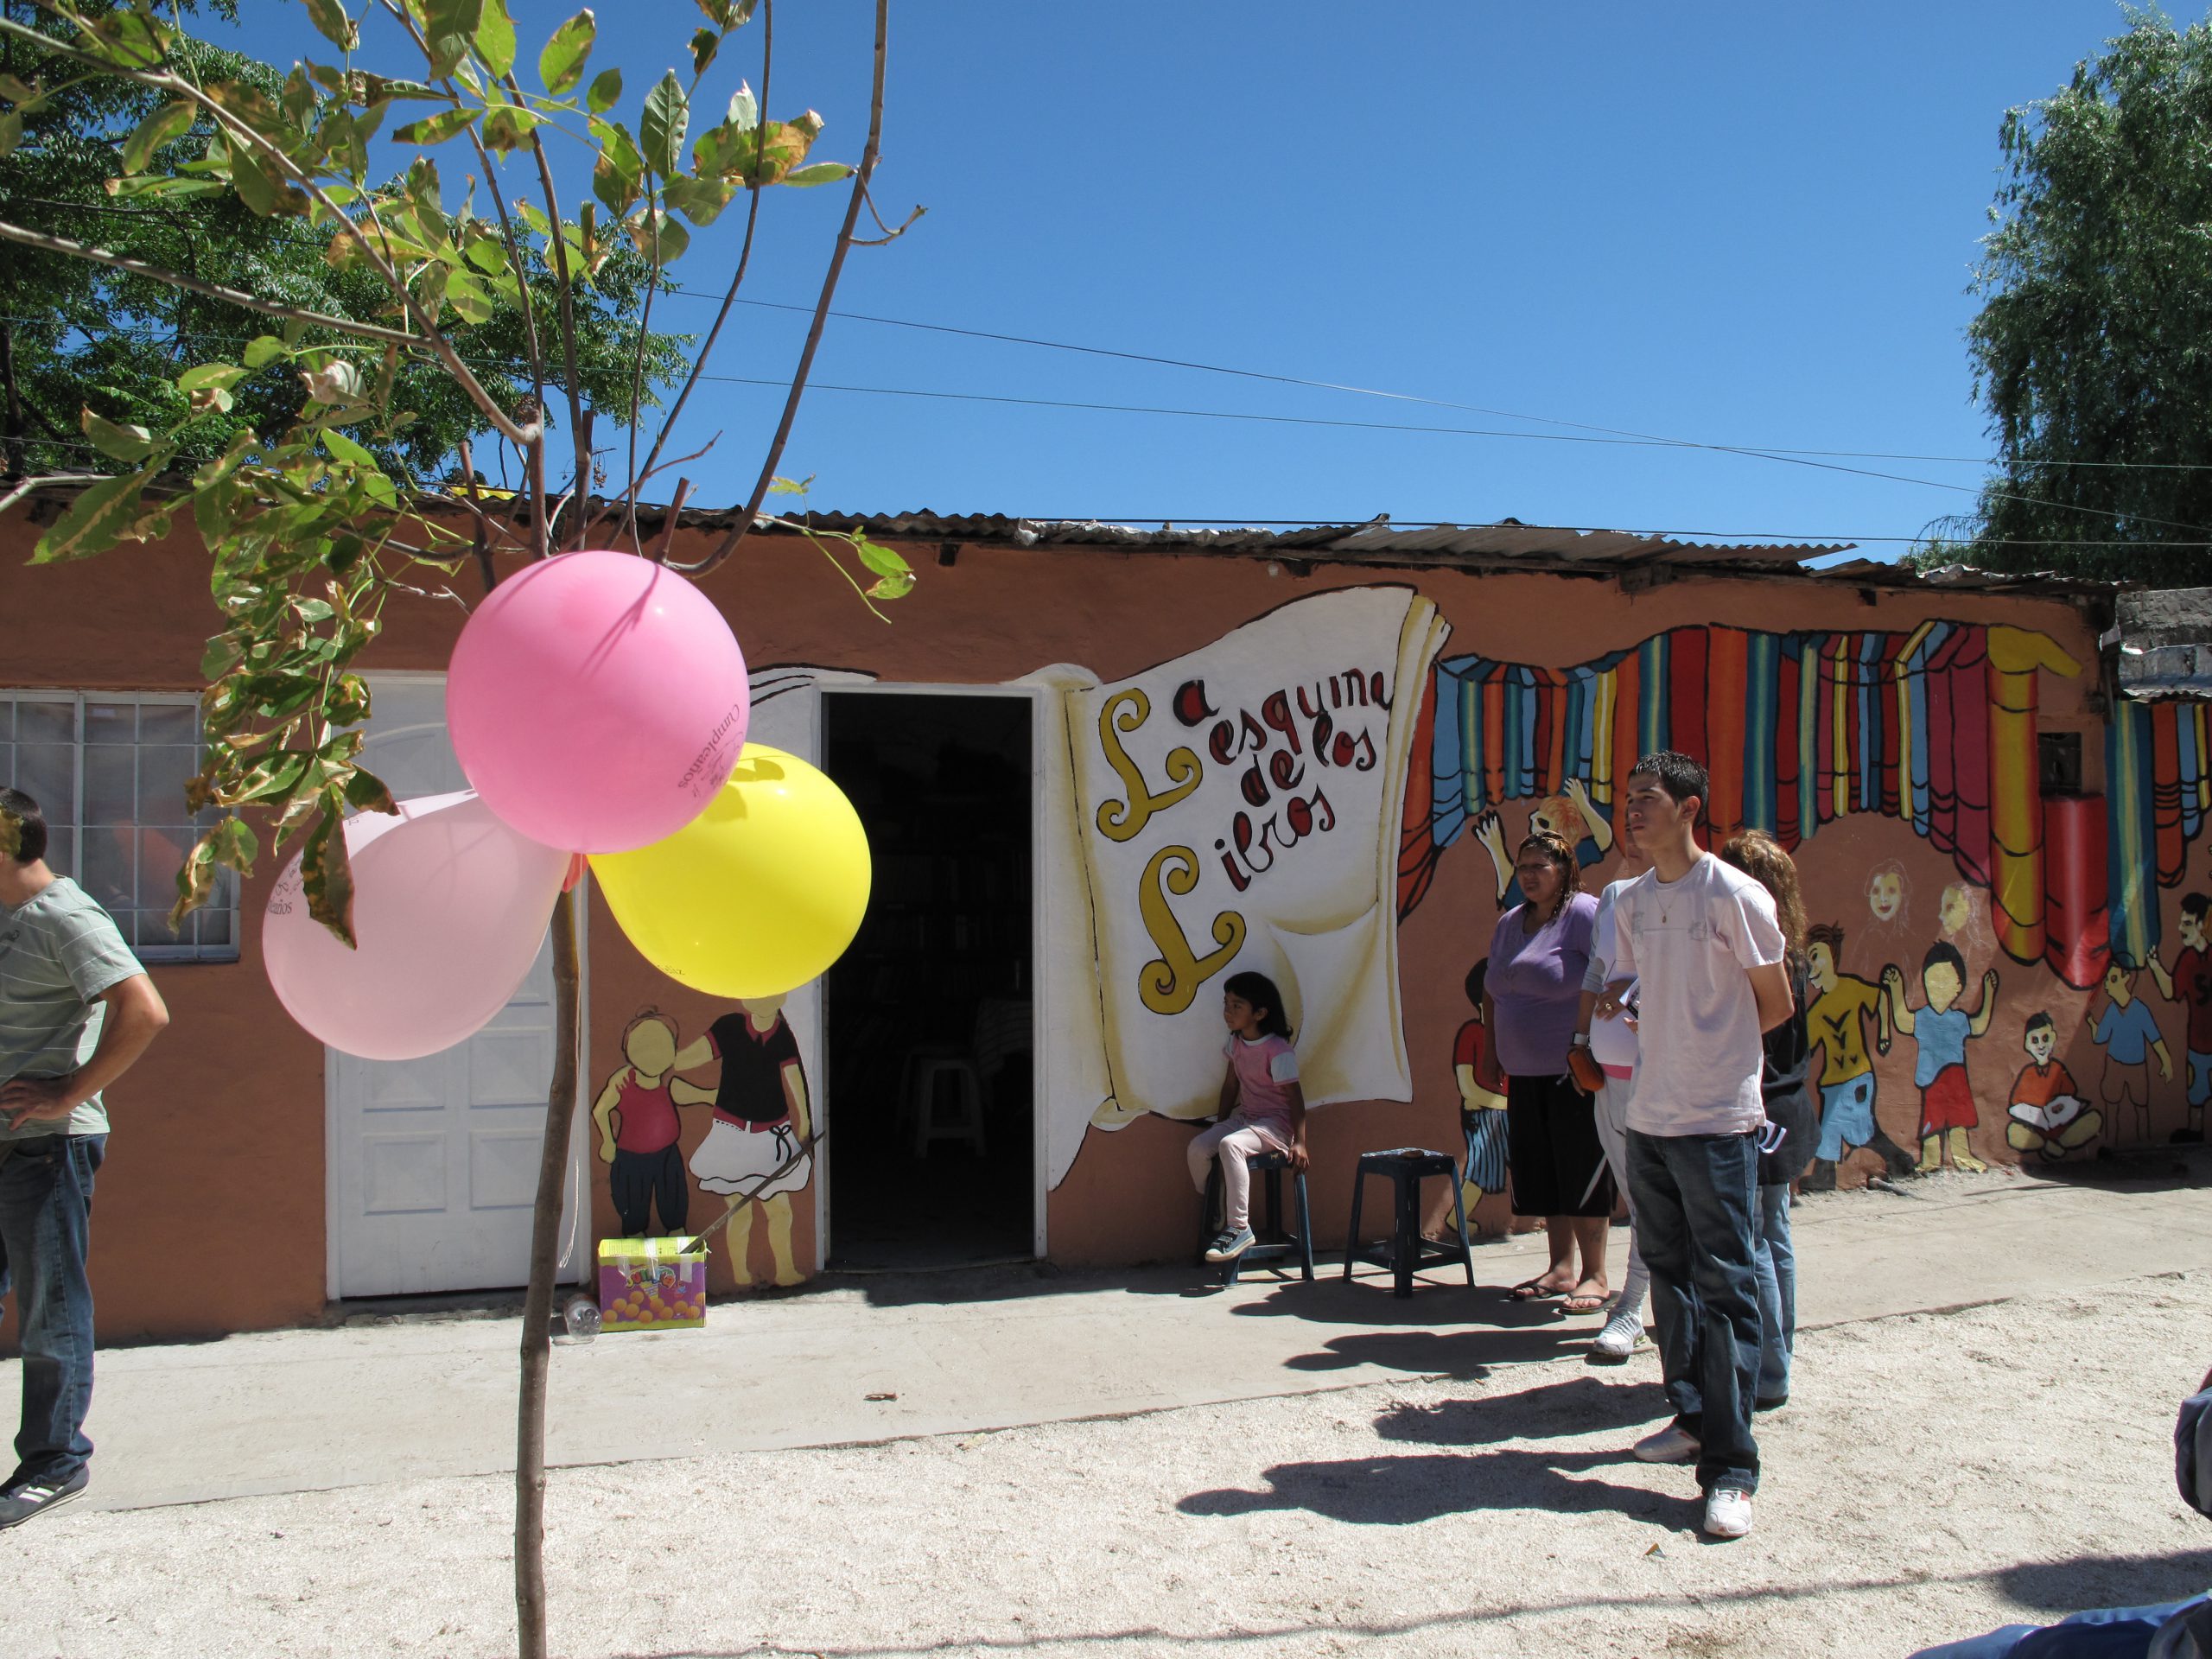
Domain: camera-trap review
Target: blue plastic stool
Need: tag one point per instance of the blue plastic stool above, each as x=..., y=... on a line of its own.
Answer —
x=1406, y=1252
x=1275, y=1244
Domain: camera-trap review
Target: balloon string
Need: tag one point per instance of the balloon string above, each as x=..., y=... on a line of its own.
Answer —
x=806, y=1149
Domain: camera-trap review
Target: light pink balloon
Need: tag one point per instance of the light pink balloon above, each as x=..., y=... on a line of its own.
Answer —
x=450, y=905
x=597, y=702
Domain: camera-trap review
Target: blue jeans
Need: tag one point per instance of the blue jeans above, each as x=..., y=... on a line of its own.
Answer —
x=46, y=1222
x=1695, y=1198
x=2108, y=1633
x=1776, y=1265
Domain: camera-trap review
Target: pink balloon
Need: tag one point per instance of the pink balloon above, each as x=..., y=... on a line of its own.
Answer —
x=449, y=908
x=597, y=702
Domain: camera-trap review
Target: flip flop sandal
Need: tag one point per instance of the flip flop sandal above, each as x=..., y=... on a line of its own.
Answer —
x=1534, y=1290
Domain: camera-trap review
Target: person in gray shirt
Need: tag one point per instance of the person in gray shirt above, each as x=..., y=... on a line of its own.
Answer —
x=76, y=1010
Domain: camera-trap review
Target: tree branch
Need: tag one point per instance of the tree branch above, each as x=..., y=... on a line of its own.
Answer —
x=62, y=244
x=737, y=531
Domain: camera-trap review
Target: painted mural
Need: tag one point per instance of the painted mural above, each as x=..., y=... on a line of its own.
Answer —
x=1236, y=808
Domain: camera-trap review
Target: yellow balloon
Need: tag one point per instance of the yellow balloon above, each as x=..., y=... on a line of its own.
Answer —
x=758, y=894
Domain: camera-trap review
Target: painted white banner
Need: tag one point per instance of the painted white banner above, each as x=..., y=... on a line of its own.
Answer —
x=1236, y=809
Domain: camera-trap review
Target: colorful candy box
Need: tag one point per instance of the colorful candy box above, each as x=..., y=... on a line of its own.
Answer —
x=651, y=1284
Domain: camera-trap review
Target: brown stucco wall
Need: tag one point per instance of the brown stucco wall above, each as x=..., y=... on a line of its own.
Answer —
x=211, y=1210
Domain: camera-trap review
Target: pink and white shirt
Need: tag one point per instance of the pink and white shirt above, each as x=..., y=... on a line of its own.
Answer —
x=1264, y=1072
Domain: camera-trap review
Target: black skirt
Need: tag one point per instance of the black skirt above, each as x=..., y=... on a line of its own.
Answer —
x=1559, y=1164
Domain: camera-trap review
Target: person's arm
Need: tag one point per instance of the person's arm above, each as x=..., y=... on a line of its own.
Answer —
x=1294, y=1092
x=795, y=1099
x=1228, y=1102
x=2165, y=1059
x=1979, y=1023
x=696, y=1052
x=135, y=1016
x=1491, y=831
x=1487, y=1074
x=1894, y=1000
x=1770, y=990
x=2159, y=972
x=1599, y=826
x=602, y=1111
x=684, y=1092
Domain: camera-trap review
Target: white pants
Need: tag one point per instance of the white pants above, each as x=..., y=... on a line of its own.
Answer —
x=1611, y=1103
x=1234, y=1139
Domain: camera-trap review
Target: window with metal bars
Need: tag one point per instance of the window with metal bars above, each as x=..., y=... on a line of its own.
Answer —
x=108, y=769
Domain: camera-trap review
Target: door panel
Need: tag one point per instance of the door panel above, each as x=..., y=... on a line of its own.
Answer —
x=433, y=1161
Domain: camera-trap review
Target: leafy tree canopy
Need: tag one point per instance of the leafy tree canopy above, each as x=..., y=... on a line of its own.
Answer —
x=2093, y=350
x=84, y=335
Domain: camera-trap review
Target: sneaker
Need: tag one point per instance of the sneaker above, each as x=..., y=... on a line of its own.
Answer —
x=27, y=1498
x=1673, y=1444
x=1229, y=1246
x=1727, y=1512
x=1623, y=1336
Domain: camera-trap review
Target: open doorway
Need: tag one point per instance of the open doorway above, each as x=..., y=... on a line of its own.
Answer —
x=928, y=1046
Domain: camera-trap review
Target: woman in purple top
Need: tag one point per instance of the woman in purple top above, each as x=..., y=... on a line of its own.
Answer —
x=1538, y=955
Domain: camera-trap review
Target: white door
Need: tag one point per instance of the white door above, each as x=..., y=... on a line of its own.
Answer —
x=434, y=1162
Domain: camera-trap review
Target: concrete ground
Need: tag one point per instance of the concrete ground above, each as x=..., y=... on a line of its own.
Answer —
x=1988, y=1372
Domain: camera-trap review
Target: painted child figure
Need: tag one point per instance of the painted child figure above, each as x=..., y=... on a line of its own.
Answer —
x=760, y=1147
x=1844, y=1005
x=1481, y=1114
x=636, y=1116
x=2191, y=984
x=1942, y=1029
x=2128, y=1033
x=2047, y=1113
x=1262, y=1106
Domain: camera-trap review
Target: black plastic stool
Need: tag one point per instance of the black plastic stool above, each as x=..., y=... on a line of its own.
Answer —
x=1406, y=1252
x=1278, y=1245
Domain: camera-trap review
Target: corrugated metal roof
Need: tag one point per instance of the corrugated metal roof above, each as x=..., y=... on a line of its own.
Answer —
x=1508, y=545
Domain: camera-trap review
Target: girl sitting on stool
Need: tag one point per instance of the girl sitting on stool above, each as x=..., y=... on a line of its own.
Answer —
x=1263, y=1107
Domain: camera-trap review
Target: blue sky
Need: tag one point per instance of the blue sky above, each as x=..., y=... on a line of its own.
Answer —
x=1737, y=224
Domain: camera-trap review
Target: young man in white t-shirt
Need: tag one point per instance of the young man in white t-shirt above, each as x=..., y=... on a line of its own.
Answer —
x=1701, y=939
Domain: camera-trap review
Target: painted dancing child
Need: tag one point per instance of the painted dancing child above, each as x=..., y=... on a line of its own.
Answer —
x=1262, y=1107
x=2128, y=1032
x=1844, y=1005
x=1482, y=1115
x=1942, y=1029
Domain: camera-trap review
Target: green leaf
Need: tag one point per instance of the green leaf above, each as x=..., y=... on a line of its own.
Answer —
x=882, y=560
x=615, y=178
x=230, y=843
x=744, y=111
x=605, y=91
x=469, y=299
x=223, y=375
x=366, y=791
x=345, y=449
x=330, y=20
x=98, y=520
x=508, y=126
x=167, y=123
x=704, y=45
x=661, y=238
x=892, y=587
x=495, y=37
x=11, y=132
x=700, y=200
x=726, y=14
x=327, y=873
x=820, y=173
x=128, y=443
x=222, y=656
x=434, y=129
x=791, y=486
x=262, y=350
x=561, y=65
x=451, y=26
x=126, y=37
x=660, y=129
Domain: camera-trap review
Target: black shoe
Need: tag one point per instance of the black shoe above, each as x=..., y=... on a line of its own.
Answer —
x=2186, y=1138
x=1775, y=1404
x=1822, y=1177
x=35, y=1496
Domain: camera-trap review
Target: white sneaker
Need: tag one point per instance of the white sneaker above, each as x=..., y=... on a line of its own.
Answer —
x=1672, y=1443
x=1727, y=1512
x=1623, y=1336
